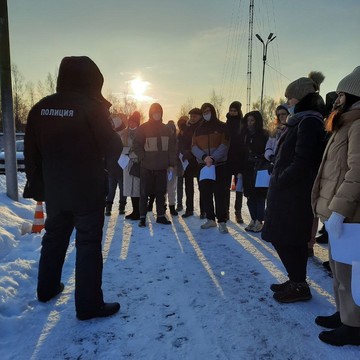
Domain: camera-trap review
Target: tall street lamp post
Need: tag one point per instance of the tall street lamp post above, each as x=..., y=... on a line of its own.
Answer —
x=270, y=38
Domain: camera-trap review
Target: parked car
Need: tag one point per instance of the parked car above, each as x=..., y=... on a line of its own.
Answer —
x=19, y=157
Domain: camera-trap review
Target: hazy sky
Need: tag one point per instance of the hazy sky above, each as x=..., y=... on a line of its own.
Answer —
x=185, y=49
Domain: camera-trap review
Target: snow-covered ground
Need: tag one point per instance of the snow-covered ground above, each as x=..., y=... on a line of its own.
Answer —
x=185, y=293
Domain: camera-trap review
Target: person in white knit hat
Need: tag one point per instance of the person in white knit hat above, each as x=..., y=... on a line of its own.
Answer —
x=336, y=199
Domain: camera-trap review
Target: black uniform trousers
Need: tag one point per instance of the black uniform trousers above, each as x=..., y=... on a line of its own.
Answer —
x=59, y=226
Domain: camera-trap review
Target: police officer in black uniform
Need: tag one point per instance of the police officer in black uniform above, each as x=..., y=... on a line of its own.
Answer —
x=68, y=136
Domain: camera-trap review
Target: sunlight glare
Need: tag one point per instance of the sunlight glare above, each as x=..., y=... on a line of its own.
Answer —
x=138, y=87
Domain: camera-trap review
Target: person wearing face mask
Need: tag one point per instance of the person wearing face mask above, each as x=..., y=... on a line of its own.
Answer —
x=131, y=175
x=235, y=124
x=254, y=140
x=336, y=200
x=210, y=146
x=192, y=170
x=156, y=150
x=289, y=217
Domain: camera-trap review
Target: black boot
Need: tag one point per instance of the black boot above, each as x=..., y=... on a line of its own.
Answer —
x=279, y=287
x=323, y=238
x=187, y=213
x=238, y=217
x=331, y=322
x=106, y=310
x=108, y=209
x=47, y=297
x=293, y=293
x=163, y=220
x=135, y=215
x=142, y=222
x=173, y=211
x=343, y=335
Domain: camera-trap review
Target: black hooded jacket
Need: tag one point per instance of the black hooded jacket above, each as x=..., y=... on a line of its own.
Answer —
x=68, y=136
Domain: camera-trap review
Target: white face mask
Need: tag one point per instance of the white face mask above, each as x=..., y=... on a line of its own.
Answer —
x=207, y=117
x=134, y=128
x=291, y=109
x=156, y=116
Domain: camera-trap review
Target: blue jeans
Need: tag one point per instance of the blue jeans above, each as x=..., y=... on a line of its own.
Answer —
x=115, y=182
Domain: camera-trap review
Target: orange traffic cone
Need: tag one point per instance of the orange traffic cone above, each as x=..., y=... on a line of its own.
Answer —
x=233, y=185
x=38, y=223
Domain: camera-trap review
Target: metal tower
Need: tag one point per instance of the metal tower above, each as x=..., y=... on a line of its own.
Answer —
x=249, y=65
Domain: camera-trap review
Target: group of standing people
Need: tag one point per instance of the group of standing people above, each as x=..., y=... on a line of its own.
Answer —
x=314, y=168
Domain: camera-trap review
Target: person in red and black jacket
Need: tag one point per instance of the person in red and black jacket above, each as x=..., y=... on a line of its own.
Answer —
x=210, y=147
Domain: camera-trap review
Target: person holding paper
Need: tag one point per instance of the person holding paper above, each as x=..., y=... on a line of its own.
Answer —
x=131, y=174
x=210, y=147
x=116, y=177
x=289, y=216
x=193, y=168
x=336, y=199
x=254, y=140
x=156, y=150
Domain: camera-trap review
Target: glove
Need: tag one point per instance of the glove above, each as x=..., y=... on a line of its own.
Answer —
x=334, y=225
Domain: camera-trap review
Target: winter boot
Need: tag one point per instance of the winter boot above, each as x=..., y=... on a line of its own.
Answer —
x=343, y=335
x=108, y=209
x=135, y=215
x=187, y=214
x=293, y=293
x=331, y=322
x=222, y=228
x=250, y=227
x=173, y=211
x=179, y=208
x=203, y=215
x=208, y=224
x=142, y=222
x=257, y=226
x=323, y=238
x=106, y=310
x=163, y=220
x=280, y=287
x=238, y=217
x=48, y=297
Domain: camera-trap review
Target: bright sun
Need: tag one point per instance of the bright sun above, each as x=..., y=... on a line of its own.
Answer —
x=138, y=87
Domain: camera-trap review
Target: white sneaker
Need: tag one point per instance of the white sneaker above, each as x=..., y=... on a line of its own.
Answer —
x=250, y=227
x=208, y=224
x=257, y=226
x=222, y=228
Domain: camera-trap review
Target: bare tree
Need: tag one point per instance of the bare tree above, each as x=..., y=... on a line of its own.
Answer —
x=218, y=102
x=186, y=107
x=269, y=106
x=19, y=102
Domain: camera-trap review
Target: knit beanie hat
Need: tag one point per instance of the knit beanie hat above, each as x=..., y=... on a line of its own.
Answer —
x=299, y=88
x=235, y=105
x=135, y=117
x=350, y=84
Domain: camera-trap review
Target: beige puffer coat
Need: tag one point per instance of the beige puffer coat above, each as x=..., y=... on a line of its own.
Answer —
x=337, y=185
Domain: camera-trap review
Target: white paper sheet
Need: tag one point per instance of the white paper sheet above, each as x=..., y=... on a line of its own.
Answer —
x=355, y=282
x=208, y=173
x=123, y=161
x=346, y=248
x=262, y=178
x=239, y=184
x=184, y=162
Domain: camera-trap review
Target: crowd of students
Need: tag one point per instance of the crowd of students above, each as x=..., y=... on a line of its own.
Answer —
x=306, y=135
x=312, y=154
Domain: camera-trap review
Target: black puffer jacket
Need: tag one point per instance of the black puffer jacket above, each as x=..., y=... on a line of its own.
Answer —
x=289, y=216
x=67, y=137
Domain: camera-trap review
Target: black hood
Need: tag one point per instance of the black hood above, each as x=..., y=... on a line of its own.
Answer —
x=313, y=102
x=81, y=74
x=155, y=107
x=212, y=110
